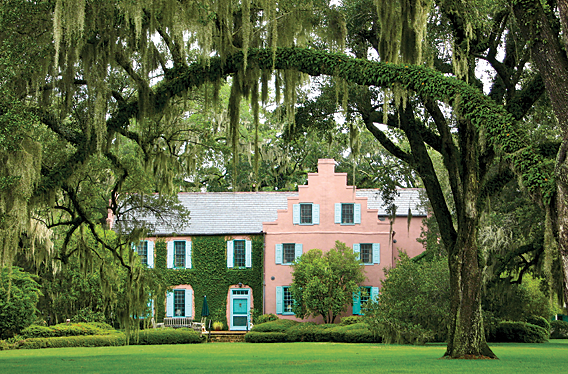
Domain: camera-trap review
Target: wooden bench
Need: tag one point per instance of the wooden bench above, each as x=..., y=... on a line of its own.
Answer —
x=177, y=322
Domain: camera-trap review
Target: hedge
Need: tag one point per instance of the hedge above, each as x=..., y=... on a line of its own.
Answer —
x=291, y=331
x=559, y=330
x=519, y=332
x=539, y=321
x=64, y=329
x=117, y=339
x=165, y=336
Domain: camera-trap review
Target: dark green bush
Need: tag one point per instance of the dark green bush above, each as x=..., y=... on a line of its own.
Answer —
x=539, y=321
x=265, y=318
x=559, y=330
x=350, y=320
x=35, y=331
x=280, y=325
x=302, y=332
x=117, y=339
x=354, y=333
x=519, y=332
x=63, y=329
x=165, y=336
x=265, y=337
x=19, y=294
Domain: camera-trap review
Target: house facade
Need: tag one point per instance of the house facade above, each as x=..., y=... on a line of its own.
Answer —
x=238, y=247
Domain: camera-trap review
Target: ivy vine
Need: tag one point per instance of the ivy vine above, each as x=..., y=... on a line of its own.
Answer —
x=210, y=276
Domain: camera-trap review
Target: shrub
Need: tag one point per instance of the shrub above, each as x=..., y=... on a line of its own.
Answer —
x=117, y=339
x=19, y=294
x=4, y=346
x=350, y=320
x=35, y=331
x=354, y=333
x=280, y=325
x=165, y=336
x=303, y=332
x=265, y=337
x=539, y=321
x=559, y=330
x=519, y=332
x=265, y=318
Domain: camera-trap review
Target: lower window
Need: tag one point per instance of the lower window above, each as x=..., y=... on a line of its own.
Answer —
x=287, y=300
x=179, y=303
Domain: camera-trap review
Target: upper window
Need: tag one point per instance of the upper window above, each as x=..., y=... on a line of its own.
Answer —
x=179, y=254
x=145, y=251
x=239, y=254
x=287, y=253
x=305, y=214
x=284, y=300
x=347, y=213
x=368, y=253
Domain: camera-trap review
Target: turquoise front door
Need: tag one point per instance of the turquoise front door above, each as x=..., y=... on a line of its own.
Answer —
x=239, y=309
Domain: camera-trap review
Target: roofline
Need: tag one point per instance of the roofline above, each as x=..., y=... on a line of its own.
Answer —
x=169, y=235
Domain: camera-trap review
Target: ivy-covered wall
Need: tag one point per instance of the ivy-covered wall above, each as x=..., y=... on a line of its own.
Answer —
x=210, y=276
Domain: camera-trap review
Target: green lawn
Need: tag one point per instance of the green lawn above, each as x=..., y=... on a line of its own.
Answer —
x=286, y=358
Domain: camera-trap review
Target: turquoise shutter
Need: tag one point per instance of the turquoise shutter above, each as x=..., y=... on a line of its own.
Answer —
x=278, y=253
x=188, y=303
x=357, y=250
x=150, y=254
x=376, y=253
x=188, y=254
x=357, y=302
x=170, y=304
x=170, y=257
x=375, y=293
x=298, y=249
x=357, y=213
x=296, y=214
x=337, y=212
x=248, y=253
x=279, y=300
x=315, y=214
x=230, y=254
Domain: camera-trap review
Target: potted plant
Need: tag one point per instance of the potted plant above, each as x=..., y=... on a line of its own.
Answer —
x=217, y=326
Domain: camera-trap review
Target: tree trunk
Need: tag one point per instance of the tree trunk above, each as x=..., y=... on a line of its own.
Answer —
x=466, y=338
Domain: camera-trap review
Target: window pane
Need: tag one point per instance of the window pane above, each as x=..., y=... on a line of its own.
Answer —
x=346, y=213
x=179, y=254
x=366, y=253
x=239, y=253
x=365, y=294
x=289, y=253
x=287, y=300
x=306, y=213
x=143, y=252
x=179, y=303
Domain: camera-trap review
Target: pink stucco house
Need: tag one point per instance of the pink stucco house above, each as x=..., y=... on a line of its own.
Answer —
x=238, y=247
x=328, y=209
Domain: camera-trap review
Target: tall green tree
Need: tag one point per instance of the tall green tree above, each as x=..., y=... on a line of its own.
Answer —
x=323, y=283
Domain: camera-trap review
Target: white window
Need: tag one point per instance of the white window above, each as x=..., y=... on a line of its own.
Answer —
x=369, y=253
x=347, y=213
x=179, y=303
x=179, y=254
x=145, y=250
x=239, y=254
x=287, y=253
x=305, y=214
x=284, y=301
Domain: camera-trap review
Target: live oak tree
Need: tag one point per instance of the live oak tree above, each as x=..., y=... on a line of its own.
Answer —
x=109, y=88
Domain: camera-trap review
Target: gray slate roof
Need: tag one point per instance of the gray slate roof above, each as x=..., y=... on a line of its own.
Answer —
x=226, y=213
